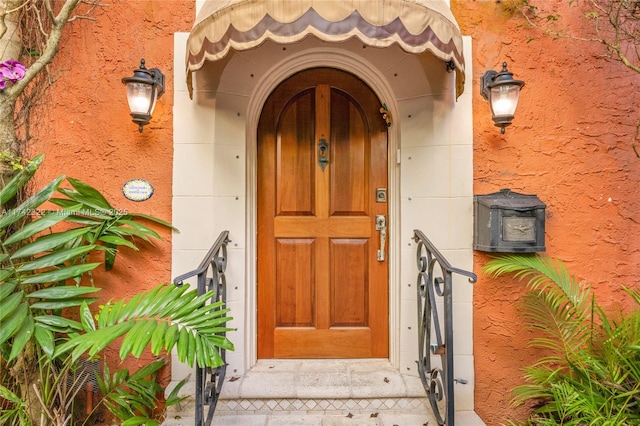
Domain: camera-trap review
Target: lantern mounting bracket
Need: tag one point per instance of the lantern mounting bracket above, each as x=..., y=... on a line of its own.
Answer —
x=486, y=82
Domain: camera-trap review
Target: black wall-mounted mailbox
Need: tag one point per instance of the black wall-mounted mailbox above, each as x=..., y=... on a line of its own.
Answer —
x=509, y=222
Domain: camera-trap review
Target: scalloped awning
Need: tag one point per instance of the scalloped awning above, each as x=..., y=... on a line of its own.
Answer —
x=417, y=26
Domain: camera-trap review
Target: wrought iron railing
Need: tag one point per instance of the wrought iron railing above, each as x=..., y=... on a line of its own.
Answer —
x=210, y=277
x=435, y=279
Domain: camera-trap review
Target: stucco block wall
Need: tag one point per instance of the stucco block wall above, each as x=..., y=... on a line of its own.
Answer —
x=436, y=197
x=208, y=194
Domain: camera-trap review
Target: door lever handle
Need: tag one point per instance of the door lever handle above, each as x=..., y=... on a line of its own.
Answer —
x=381, y=226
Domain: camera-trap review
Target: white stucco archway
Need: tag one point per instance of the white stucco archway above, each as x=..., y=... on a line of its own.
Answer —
x=430, y=178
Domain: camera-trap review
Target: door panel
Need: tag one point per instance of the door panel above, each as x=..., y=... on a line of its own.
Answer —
x=349, y=295
x=321, y=290
x=295, y=264
x=350, y=158
x=295, y=179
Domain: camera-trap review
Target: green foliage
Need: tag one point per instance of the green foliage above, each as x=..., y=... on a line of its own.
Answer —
x=162, y=318
x=132, y=398
x=590, y=373
x=128, y=395
x=12, y=160
x=44, y=257
x=17, y=411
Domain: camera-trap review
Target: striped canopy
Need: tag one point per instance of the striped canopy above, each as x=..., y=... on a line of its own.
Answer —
x=417, y=26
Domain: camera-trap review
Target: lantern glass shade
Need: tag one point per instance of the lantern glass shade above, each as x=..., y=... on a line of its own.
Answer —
x=141, y=98
x=504, y=100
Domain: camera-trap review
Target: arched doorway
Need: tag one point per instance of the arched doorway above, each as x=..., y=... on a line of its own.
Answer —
x=322, y=263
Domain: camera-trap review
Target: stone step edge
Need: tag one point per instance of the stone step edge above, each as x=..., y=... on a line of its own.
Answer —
x=401, y=387
x=467, y=418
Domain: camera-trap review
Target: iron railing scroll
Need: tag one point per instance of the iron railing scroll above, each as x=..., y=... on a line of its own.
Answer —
x=435, y=279
x=210, y=277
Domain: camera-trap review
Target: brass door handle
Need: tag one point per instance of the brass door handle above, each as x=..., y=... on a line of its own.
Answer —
x=381, y=226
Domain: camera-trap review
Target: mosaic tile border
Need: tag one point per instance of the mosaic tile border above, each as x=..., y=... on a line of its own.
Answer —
x=322, y=405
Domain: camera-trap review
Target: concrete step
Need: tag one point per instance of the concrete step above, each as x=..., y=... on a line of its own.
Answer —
x=463, y=418
x=317, y=392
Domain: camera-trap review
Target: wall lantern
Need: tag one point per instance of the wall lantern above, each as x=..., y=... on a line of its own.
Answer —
x=143, y=90
x=502, y=92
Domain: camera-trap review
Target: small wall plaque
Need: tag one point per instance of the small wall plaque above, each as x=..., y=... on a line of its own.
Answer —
x=137, y=190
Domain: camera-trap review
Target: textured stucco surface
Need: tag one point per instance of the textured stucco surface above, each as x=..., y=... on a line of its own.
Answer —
x=85, y=131
x=571, y=145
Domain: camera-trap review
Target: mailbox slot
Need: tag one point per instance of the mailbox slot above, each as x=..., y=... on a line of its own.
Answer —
x=509, y=222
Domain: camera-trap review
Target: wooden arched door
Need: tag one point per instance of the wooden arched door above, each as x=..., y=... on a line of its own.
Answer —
x=322, y=250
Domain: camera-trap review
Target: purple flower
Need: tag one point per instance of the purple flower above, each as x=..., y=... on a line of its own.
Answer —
x=11, y=71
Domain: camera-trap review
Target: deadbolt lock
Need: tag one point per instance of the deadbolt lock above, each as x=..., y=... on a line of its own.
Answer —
x=381, y=195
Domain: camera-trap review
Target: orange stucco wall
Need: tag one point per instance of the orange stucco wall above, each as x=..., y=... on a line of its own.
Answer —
x=571, y=145
x=85, y=131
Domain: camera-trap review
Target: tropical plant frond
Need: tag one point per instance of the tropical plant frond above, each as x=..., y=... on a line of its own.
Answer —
x=590, y=372
x=58, y=257
x=43, y=259
x=158, y=319
x=557, y=305
x=34, y=256
x=154, y=220
x=173, y=398
x=139, y=420
x=561, y=327
x=15, y=412
x=635, y=294
x=542, y=274
x=88, y=195
x=131, y=395
x=30, y=204
x=49, y=242
x=12, y=323
x=46, y=221
x=18, y=181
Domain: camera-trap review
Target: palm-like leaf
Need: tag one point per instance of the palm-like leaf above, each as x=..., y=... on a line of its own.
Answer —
x=20, y=180
x=593, y=373
x=16, y=414
x=131, y=396
x=38, y=261
x=161, y=319
x=557, y=306
x=31, y=255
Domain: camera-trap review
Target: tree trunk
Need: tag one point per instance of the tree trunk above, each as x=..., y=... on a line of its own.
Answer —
x=10, y=36
x=10, y=48
x=8, y=140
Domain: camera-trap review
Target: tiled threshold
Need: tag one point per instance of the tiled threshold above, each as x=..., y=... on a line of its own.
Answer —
x=276, y=390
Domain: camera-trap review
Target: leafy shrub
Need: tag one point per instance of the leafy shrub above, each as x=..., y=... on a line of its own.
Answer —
x=590, y=374
x=42, y=266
